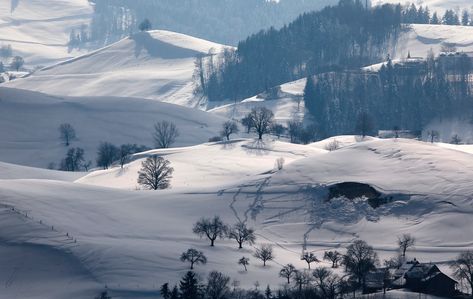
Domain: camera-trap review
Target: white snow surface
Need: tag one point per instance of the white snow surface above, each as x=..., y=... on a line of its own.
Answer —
x=157, y=65
x=39, y=30
x=130, y=240
x=29, y=124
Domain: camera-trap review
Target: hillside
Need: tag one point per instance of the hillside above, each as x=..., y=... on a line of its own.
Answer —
x=30, y=121
x=154, y=65
x=39, y=30
x=122, y=241
x=434, y=5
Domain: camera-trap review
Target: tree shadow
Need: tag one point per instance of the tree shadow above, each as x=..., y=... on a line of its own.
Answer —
x=258, y=147
x=159, y=49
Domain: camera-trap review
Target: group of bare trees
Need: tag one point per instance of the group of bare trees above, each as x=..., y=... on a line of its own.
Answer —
x=6, y=54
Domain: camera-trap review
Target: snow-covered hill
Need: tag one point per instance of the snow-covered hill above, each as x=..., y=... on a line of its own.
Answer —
x=156, y=65
x=131, y=240
x=39, y=30
x=29, y=124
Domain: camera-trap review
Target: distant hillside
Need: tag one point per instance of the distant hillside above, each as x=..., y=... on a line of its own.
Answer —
x=29, y=124
x=156, y=65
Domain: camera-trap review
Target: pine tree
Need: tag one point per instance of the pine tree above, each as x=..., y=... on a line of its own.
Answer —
x=189, y=286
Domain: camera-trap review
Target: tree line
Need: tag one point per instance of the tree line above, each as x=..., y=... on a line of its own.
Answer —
x=347, y=35
x=411, y=14
x=405, y=96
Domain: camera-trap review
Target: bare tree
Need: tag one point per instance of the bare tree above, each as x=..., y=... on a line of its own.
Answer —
x=247, y=122
x=217, y=285
x=301, y=279
x=17, y=63
x=463, y=268
x=124, y=154
x=359, y=260
x=287, y=272
x=211, y=228
x=229, y=128
x=165, y=134
x=327, y=282
x=194, y=257
x=67, y=133
x=242, y=234
x=244, y=261
x=278, y=130
x=334, y=256
x=264, y=253
x=107, y=153
x=155, y=173
x=309, y=258
x=74, y=160
x=280, y=163
x=262, y=119
x=405, y=242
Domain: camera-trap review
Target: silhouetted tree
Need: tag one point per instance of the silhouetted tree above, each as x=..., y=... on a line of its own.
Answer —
x=17, y=63
x=287, y=272
x=211, y=228
x=165, y=291
x=244, y=261
x=240, y=233
x=364, y=124
x=217, y=285
x=74, y=160
x=327, y=282
x=190, y=287
x=107, y=153
x=334, y=257
x=405, y=242
x=264, y=253
x=229, y=128
x=309, y=258
x=194, y=257
x=165, y=134
x=247, y=122
x=67, y=133
x=359, y=260
x=262, y=119
x=278, y=130
x=155, y=173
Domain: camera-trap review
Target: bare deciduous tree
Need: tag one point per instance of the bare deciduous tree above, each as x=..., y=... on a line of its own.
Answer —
x=194, y=257
x=359, y=260
x=17, y=63
x=165, y=134
x=334, y=256
x=240, y=233
x=278, y=130
x=67, y=133
x=262, y=119
x=247, y=122
x=327, y=282
x=264, y=253
x=229, y=128
x=463, y=268
x=309, y=258
x=280, y=163
x=294, y=128
x=405, y=242
x=244, y=261
x=155, y=173
x=217, y=285
x=287, y=272
x=107, y=153
x=332, y=145
x=433, y=135
x=211, y=228
x=364, y=124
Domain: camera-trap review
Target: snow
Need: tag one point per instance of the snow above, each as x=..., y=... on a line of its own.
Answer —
x=156, y=65
x=289, y=105
x=39, y=30
x=130, y=240
x=30, y=138
x=434, y=5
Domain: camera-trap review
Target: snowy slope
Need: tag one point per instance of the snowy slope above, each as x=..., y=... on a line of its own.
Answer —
x=131, y=240
x=29, y=124
x=288, y=105
x=154, y=65
x=39, y=30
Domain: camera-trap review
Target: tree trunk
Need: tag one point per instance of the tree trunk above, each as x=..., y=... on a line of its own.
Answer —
x=212, y=242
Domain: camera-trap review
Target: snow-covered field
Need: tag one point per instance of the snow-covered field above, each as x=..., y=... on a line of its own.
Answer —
x=130, y=240
x=39, y=30
x=156, y=65
x=29, y=124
